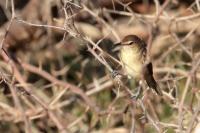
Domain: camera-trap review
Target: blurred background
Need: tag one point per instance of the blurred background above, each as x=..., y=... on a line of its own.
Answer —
x=57, y=62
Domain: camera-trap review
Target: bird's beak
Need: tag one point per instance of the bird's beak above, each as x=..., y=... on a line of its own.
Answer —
x=117, y=44
x=117, y=47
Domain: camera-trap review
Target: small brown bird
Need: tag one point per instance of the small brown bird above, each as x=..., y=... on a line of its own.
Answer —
x=133, y=55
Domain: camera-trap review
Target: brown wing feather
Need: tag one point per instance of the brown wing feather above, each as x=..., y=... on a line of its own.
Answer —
x=148, y=76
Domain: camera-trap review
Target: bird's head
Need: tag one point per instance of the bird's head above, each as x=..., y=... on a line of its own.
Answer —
x=131, y=41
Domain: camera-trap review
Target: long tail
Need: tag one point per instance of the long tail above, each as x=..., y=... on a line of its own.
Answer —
x=148, y=76
x=152, y=84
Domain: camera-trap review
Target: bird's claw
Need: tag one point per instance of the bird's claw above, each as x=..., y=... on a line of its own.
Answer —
x=115, y=73
x=136, y=95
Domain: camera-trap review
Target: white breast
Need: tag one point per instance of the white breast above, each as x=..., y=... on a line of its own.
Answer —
x=132, y=62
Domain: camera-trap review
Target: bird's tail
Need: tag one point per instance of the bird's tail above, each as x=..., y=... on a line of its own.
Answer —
x=158, y=90
x=152, y=84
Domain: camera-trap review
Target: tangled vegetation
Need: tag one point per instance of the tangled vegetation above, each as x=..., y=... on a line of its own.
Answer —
x=57, y=66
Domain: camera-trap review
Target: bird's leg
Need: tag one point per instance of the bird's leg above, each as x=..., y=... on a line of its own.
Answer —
x=119, y=75
x=136, y=95
x=116, y=73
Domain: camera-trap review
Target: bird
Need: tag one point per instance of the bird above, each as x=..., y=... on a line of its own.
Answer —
x=133, y=55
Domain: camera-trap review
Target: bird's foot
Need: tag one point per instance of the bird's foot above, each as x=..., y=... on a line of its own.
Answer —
x=136, y=95
x=116, y=74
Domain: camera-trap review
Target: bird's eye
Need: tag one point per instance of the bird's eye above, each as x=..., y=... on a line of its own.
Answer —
x=130, y=42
